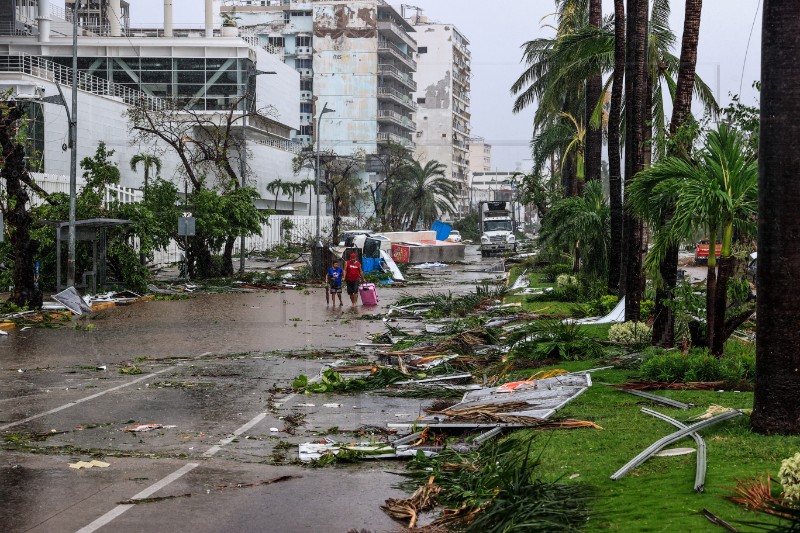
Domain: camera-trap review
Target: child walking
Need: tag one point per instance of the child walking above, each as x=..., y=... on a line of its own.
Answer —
x=333, y=284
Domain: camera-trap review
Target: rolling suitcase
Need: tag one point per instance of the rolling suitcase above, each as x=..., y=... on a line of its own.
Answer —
x=369, y=296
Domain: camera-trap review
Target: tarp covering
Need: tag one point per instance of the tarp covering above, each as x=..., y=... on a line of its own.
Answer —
x=442, y=230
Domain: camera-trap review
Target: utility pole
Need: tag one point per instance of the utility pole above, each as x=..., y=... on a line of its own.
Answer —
x=73, y=167
x=325, y=109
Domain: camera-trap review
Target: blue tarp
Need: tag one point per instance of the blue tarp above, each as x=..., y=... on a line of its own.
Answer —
x=369, y=264
x=442, y=230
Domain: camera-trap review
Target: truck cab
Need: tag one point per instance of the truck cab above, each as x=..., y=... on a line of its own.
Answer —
x=497, y=228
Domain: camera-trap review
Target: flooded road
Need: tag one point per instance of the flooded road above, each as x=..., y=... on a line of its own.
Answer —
x=212, y=370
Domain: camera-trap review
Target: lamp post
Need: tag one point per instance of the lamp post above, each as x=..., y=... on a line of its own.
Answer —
x=325, y=109
x=73, y=166
x=243, y=151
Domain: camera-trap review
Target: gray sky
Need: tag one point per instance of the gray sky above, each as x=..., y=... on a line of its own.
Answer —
x=496, y=31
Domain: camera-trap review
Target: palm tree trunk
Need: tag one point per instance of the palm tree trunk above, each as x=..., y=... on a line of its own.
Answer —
x=664, y=325
x=594, y=91
x=711, y=288
x=614, y=166
x=636, y=87
x=776, y=409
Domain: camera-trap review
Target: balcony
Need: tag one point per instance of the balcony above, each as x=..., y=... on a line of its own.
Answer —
x=396, y=96
x=385, y=25
x=397, y=52
x=399, y=75
x=393, y=117
x=385, y=137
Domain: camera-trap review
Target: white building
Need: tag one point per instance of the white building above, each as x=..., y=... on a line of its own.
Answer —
x=480, y=155
x=443, y=97
x=120, y=65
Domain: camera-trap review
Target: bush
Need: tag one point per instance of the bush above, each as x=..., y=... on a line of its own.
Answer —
x=789, y=476
x=631, y=334
x=646, y=308
x=552, y=272
x=671, y=366
x=546, y=339
x=603, y=305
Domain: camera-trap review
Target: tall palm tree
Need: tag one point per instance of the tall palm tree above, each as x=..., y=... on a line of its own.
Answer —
x=664, y=324
x=594, y=91
x=715, y=192
x=303, y=186
x=425, y=193
x=776, y=409
x=148, y=161
x=614, y=152
x=276, y=187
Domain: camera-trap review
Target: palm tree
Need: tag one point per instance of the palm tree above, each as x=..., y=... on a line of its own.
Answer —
x=594, y=92
x=714, y=193
x=148, y=161
x=581, y=224
x=301, y=187
x=425, y=193
x=276, y=187
x=776, y=409
x=614, y=152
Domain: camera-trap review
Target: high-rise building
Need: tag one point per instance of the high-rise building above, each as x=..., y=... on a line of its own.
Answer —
x=443, y=97
x=355, y=56
x=480, y=155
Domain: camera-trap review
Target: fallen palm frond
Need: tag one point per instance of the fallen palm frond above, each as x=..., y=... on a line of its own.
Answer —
x=423, y=499
x=428, y=391
x=658, y=385
x=756, y=494
x=713, y=410
x=499, y=413
x=463, y=343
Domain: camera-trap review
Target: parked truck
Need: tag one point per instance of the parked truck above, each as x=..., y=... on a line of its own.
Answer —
x=497, y=228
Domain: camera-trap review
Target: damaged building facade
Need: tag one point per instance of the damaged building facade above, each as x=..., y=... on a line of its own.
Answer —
x=443, y=97
x=356, y=57
x=120, y=65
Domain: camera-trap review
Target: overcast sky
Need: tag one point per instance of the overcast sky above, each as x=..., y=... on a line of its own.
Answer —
x=497, y=29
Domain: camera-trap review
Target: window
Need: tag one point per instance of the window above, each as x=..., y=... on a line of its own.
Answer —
x=276, y=41
x=420, y=100
x=306, y=85
x=305, y=130
x=303, y=40
x=302, y=63
x=305, y=107
x=422, y=50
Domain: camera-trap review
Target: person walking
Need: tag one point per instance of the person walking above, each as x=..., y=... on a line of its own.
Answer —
x=333, y=284
x=352, y=274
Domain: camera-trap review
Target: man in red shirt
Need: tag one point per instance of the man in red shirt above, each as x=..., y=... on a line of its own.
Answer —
x=352, y=274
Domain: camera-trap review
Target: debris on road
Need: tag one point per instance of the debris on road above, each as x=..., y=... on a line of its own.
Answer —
x=142, y=428
x=90, y=464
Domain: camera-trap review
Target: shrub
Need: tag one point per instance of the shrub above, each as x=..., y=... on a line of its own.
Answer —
x=603, y=305
x=646, y=308
x=631, y=334
x=672, y=366
x=552, y=272
x=546, y=339
x=789, y=476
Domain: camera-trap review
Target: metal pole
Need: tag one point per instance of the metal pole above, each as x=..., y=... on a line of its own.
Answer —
x=325, y=109
x=73, y=167
x=242, y=163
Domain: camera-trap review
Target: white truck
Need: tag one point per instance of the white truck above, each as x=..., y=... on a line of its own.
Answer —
x=497, y=228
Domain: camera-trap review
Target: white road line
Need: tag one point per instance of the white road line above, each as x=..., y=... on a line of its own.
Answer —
x=152, y=489
x=214, y=449
x=76, y=402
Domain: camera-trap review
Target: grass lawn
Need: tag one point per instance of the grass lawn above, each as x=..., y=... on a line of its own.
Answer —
x=659, y=495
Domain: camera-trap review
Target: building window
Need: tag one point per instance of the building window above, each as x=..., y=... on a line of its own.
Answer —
x=305, y=130
x=422, y=50
x=305, y=107
x=302, y=63
x=276, y=41
x=420, y=100
x=306, y=85
x=303, y=40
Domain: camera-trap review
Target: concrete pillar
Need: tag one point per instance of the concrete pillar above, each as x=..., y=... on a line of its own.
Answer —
x=114, y=15
x=209, y=18
x=167, y=18
x=43, y=18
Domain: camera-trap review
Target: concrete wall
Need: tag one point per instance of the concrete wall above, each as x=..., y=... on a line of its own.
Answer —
x=281, y=90
x=345, y=74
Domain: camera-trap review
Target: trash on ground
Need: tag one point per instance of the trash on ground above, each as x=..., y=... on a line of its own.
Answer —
x=89, y=464
x=616, y=315
x=423, y=499
x=72, y=300
x=141, y=428
x=521, y=282
x=674, y=452
x=425, y=266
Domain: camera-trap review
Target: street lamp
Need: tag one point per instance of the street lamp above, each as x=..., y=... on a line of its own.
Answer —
x=325, y=109
x=243, y=151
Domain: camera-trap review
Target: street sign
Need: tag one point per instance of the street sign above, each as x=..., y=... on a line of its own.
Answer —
x=186, y=226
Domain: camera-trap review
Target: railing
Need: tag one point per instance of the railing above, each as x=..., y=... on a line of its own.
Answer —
x=396, y=117
x=254, y=39
x=398, y=74
x=287, y=146
x=53, y=183
x=386, y=45
x=47, y=70
x=403, y=99
x=10, y=28
x=386, y=137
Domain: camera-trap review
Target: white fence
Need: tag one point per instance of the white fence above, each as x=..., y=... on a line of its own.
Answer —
x=52, y=183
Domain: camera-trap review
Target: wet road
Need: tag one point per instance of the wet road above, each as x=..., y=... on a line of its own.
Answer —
x=213, y=368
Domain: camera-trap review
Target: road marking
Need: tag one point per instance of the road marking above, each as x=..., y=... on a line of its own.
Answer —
x=214, y=449
x=92, y=397
x=152, y=489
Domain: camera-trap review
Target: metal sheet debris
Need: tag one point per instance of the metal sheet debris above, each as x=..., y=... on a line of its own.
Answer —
x=70, y=298
x=616, y=315
x=659, y=399
x=700, y=469
x=89, y=464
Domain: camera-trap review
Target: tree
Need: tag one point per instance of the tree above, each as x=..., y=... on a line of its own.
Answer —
x=777, y=387
x=148, y=161
x=26, y=293
x=424, y=193
x=276, y=187
x=581, y=225
x=715, y=192
x=664, y=324
x=594, y=92
x=392, y=160
x=614, y=152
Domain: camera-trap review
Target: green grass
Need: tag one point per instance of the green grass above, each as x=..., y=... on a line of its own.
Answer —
x=659, y=495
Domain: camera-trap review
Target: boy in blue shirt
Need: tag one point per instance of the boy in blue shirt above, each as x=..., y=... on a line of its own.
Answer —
x=333, y=284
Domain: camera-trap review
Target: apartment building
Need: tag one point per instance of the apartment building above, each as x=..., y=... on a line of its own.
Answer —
x=355, y=56
x=120, y=65
x=480, y=155
x=443, y=97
